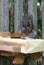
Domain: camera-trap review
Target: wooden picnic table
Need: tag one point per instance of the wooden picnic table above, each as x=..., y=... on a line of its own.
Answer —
x=13, y=49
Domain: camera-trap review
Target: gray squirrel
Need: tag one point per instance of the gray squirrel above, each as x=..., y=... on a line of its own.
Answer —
x=27, y=27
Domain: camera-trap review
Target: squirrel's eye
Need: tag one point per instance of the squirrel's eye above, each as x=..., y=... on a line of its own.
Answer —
x=23, y=26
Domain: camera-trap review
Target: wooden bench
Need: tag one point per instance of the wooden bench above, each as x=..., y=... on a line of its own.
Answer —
x=5, y=34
